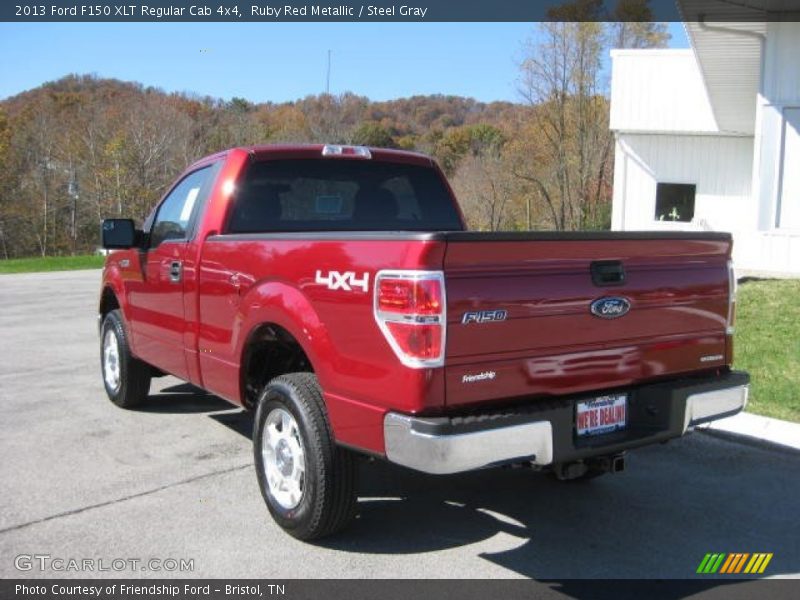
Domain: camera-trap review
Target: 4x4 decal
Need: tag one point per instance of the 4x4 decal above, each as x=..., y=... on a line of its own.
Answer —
x=334, y=280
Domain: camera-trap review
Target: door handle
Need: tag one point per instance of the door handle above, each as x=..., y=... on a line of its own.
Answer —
x=175, y=271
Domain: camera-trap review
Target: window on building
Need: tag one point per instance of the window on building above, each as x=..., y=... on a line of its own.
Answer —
x=675, y=202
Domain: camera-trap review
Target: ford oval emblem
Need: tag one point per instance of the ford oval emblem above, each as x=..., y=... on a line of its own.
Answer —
x=610, y=307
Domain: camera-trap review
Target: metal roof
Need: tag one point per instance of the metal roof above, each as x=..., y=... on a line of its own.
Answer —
x=730, y=57
x=728, y=38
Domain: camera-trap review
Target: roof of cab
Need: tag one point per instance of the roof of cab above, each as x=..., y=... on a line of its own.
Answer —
x=278, y=151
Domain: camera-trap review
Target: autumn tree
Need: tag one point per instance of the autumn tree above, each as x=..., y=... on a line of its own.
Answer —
x=563, y=154
x=6, y=179
x=633, y=26
x=333, y=119
x=372, y=133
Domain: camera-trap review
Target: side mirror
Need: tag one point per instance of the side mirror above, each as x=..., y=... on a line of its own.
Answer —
x=119, y=233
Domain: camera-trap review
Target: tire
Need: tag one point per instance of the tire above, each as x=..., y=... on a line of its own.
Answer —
x=125, y=377
x=292, y=431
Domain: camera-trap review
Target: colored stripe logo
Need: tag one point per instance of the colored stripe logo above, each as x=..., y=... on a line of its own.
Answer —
x=734, y=562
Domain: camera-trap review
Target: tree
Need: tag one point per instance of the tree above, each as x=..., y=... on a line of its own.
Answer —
x=6, y=177
x=457, y=142
x=82, y=148
x=373, y=134
x=333, y=119
x=633, y=26
x=565, y=157
x=486, y=189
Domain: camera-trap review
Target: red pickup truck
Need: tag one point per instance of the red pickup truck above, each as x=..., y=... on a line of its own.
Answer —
x=335, y=291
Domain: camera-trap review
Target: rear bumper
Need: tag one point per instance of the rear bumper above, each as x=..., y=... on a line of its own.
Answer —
x=543, y=432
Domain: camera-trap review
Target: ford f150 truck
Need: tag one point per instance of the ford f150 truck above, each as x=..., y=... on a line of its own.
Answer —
x=335, y=291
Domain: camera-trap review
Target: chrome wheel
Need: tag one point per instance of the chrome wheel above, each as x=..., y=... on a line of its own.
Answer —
x=283, y=458
x=111, y=369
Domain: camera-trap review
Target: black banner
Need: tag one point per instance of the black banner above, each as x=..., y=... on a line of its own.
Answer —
x=397, y=589
x=388, y=10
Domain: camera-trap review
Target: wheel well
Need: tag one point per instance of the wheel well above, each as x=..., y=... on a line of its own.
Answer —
x=270, y=351
x=108, y=302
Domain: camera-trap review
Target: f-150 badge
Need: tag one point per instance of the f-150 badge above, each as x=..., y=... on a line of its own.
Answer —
x=334, y=280
x=484, y=316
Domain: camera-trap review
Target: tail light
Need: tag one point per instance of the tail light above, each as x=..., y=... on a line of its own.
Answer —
x=410, y=310
x=731, y=297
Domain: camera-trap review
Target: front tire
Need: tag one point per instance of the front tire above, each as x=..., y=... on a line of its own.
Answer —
x=125, y=377
x=308, y=483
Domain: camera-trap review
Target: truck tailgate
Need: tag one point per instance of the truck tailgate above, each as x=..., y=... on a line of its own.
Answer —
x=520, y=321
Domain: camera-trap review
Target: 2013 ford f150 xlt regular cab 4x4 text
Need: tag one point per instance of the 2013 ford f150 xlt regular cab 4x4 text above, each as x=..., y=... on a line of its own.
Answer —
x=334, y=290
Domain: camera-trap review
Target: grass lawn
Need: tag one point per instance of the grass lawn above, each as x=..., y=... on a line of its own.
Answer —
x=767, y=344
x=51, y=263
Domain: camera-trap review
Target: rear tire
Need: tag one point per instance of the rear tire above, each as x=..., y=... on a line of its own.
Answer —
x=125, y=377
x=308, y=483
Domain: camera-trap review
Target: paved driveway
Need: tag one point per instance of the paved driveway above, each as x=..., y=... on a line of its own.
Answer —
x=83, y=479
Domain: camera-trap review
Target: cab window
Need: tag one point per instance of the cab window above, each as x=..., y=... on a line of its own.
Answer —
x=176, y=211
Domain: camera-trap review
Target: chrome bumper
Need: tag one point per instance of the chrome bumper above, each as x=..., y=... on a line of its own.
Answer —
x=442, y=454
x=716, y=404
x=428, y=446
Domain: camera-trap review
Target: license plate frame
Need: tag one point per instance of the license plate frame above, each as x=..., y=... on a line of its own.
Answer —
x=601, y=415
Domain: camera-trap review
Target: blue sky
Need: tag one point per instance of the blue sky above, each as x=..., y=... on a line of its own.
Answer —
x=276, y=61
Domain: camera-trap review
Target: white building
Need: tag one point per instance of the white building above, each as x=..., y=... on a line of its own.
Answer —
x=709, y=139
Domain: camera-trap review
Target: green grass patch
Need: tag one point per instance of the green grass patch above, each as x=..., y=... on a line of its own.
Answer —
x=51, y=263
x=767, y=344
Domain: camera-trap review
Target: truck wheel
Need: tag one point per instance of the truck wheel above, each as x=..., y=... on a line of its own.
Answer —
x=308, y=483
x=126, y=378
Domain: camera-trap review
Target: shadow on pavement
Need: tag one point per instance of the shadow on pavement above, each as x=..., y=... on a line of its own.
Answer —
x=183, y=398
x=656, y=520
x=672, y=505
x=240, y=421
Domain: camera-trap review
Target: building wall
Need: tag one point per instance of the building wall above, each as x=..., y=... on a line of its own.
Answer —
x=718, y=165
x=781, y=70
x=720, y=168
x=658, y=90
x=667, y=130
x=776, y=163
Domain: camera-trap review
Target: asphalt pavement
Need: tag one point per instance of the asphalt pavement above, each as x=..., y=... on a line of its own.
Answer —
x=82, y=479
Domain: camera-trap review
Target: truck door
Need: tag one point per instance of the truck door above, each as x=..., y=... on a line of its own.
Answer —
x=156, y=300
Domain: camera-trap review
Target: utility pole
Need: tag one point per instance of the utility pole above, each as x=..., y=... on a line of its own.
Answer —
x=328, y=76
x=74, y=194
x=3, y=239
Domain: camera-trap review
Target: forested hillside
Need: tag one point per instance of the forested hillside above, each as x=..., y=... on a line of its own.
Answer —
x=82, y=148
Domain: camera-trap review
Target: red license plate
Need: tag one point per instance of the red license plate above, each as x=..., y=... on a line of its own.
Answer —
x=601, y=415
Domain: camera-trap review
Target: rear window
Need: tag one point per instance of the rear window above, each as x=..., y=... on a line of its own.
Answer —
x=341, y=195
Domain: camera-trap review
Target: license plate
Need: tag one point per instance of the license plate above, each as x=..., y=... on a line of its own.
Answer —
x=601, y=415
